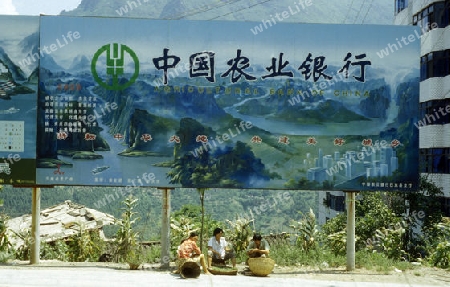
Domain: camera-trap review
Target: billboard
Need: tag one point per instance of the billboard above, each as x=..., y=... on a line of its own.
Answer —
x=19, y=39
x=137, y=102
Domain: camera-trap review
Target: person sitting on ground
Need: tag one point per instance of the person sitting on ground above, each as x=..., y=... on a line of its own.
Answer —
x=218, y=250
x=179, y=248
x=258, y=247
x=189, y=251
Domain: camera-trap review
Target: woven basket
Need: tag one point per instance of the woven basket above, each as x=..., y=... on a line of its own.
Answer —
x=223, y=271
x=261, y=266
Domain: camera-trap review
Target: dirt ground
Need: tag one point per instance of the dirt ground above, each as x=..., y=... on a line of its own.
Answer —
x=419, y=275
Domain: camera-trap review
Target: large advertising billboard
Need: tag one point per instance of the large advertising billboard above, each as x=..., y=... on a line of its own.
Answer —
x=19, y=39
x=137, y=102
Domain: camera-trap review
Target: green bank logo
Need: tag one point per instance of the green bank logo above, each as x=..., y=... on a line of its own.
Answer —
x=117, y=58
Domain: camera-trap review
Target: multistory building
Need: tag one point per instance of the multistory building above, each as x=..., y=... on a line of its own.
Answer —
x=433, y=18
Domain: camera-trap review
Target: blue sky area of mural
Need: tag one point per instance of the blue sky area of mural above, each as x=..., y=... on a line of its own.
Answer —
x=319, y=40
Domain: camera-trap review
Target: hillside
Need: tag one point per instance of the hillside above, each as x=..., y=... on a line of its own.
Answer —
x=280, y=207
x=312, y=11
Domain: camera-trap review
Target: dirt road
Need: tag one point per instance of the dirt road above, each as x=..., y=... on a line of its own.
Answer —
x=51, y=273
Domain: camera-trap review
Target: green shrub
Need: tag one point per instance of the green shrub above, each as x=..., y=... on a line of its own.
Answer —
x=84, y=246
x=388, y=241
x=289, y=255
x=337, y=242
x=238, y=233
x=374, y=261
x=152, y=254
x=306, y=231
x=24, y=251
x=57, y=250
x=127, y=246
x=5, y=256
x=4, y=241
x=440, y=257
x=372, y=213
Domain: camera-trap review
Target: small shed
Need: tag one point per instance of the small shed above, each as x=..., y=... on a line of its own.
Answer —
x=59, y=222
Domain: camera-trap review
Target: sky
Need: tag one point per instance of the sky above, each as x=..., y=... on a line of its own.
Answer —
x=33, y=7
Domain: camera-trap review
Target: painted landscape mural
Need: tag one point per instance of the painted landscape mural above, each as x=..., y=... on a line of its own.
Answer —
x=18, y=99
x=134, y=102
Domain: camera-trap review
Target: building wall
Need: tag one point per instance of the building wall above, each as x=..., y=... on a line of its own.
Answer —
x=434, y=137
x=331, y=203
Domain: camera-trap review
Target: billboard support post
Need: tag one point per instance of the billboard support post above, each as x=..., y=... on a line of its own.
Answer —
x=165, y=230
x=350, y=200
x=35, y=225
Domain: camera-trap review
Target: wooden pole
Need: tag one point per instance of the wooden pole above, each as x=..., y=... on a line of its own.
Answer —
x=165, y=230
x=35, y=224
x=350, y=199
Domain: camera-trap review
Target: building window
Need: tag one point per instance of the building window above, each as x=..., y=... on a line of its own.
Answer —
x=334, y=202
x=435, y=160
x=435, y=64
x=327, y=200
x=400, y=5
x=434, y=113
x=437, y=13
x=445, y=206
x=340, y=203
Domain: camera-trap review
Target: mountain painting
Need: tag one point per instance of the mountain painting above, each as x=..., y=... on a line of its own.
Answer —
x=19, y=39
x=209, y=104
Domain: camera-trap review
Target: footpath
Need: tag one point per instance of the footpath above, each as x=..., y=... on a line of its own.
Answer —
x=87, y=274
